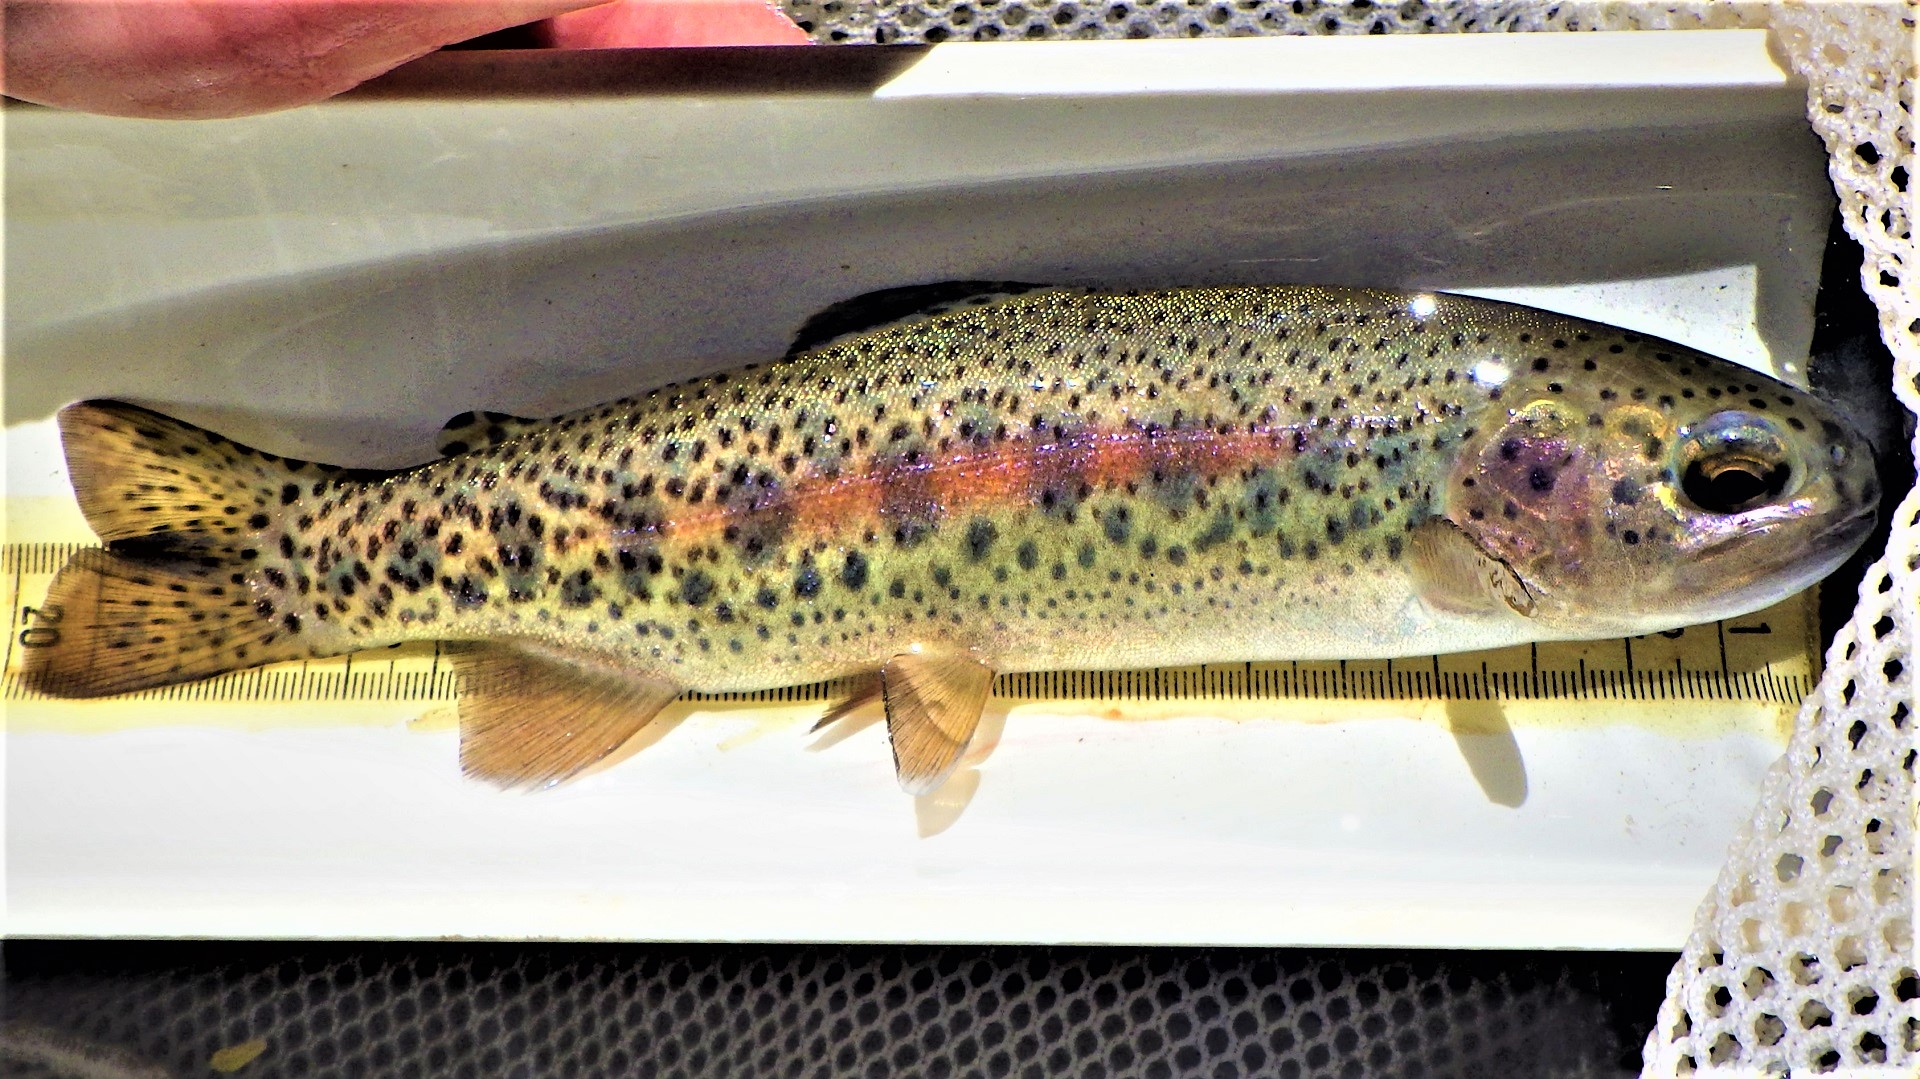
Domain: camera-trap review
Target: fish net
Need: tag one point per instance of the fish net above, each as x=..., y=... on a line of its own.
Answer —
x=126, y=1010
x=1802, y=958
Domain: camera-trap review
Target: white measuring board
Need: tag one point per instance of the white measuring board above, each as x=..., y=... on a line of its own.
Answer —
x=350, y=275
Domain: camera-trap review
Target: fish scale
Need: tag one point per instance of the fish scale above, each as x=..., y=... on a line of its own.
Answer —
x=1058, y=479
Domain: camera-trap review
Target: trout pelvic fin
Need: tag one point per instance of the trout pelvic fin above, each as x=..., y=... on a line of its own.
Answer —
x=934, y=699
x=533, y=718
x=1454, y=573
x=471, y=431
x=863, y=693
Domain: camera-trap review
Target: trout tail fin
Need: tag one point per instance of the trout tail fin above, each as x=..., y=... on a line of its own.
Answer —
x=140, y=475
x=114, y=624
x=185, y=514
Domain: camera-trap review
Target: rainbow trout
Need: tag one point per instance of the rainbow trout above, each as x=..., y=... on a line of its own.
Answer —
x=1011, y=480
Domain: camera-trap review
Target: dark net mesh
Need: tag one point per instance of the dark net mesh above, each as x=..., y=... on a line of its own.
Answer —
x=422, y=1010
x=933, y=21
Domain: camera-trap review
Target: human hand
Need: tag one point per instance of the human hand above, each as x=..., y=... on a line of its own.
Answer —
x=215, y=58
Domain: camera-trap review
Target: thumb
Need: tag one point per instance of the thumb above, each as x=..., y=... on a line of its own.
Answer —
x=213, y=58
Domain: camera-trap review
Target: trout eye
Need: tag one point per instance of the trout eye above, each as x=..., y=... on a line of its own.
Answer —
x=1733, y=483
x=1733, y=462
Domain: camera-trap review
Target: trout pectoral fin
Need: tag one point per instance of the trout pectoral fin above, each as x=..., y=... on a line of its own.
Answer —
x=478, y=430
x=934, y=698
x=530, y=717
x=1455, y=573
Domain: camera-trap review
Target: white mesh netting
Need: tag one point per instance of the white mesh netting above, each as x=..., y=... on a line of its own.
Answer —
x=1802, y=958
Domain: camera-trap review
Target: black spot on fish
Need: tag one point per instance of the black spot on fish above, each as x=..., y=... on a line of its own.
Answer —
x=696, y=588
x=766, y=598
x=1626, y=492
x=1630, y=537
x=1218, y=532
x=579, y=590
x=639, y=565
x=1027, y=554
x=980, y=536
x=1540, y=478
x=853, y=572
x=1117, y=524
x=466, y=593
x=806, y=583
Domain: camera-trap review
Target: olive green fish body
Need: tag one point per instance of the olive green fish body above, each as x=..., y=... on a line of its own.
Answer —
x=1072, y=479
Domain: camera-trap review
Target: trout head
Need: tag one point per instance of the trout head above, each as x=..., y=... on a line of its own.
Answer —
x=1660, y=488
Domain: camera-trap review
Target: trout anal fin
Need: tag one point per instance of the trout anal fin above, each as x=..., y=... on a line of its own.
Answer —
x=477, y=430
x=1453, y=572
x=934, y=699
x=531, y=717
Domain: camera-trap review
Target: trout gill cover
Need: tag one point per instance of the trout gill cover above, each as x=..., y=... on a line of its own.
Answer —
x=997, y=478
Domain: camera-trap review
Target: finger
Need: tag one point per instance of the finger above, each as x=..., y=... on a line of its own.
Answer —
x=649, y=23
x=212, y=58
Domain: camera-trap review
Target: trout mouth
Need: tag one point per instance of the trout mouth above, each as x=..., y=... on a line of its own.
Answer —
x=1851, y=529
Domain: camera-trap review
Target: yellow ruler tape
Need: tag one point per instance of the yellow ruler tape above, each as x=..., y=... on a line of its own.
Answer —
x=1748, y=672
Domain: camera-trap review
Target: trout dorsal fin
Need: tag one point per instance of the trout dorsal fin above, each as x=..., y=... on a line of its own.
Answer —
x=477, y=430
x=1453, y=572
x=530, y=717
x=888, y=306
x=934, y=699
